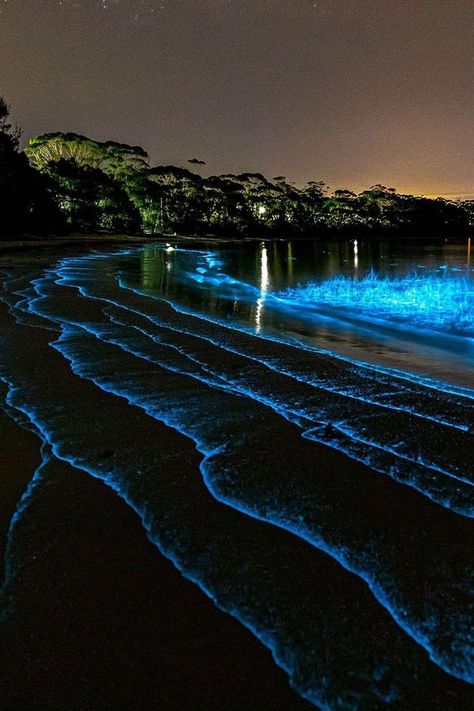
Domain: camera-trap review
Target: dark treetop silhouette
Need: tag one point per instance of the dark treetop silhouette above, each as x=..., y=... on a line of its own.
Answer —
x=66, y=182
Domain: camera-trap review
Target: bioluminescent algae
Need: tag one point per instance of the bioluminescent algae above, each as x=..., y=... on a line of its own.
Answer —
x=261, y=487
x=401, y=447
x=186, y=413
x=9, y=563
x=443, y=302
x=248, y=568
x=400, y=457
x=426, y=305
x=244, y=402
x=128, y=279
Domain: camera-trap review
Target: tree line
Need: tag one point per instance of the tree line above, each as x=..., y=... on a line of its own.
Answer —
x=65, y=182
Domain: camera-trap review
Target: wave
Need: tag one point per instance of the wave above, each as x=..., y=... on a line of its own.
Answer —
x=436, y=302
x=245, y=402
x=432, y=306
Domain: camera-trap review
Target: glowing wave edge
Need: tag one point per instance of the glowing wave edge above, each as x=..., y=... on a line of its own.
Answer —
x=139, y=333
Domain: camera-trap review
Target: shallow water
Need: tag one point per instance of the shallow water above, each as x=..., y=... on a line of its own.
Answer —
x=324, y=503
x=403, y=305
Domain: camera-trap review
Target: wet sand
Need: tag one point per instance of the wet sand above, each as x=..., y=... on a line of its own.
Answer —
x=95, y=617
x=19, y=457
x=99, y=619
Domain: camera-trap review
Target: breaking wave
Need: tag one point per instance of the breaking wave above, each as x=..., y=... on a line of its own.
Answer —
x=442, y=302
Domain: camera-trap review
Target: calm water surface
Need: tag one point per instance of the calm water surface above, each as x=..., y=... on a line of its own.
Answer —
x=396, y=304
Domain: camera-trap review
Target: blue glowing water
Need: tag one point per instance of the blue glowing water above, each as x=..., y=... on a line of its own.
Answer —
x=357, y=473
x=402, y=307
x=429, y=301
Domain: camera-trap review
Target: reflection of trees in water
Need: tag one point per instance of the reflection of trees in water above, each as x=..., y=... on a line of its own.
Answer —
x=336, y=269
x=156, y=267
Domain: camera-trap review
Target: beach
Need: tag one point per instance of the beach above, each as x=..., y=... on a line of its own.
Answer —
x=179, y=530
x=95, y=617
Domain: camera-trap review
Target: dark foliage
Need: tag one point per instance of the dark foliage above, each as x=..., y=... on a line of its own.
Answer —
x=70, y=182
x=91, y=200
x=26, y=205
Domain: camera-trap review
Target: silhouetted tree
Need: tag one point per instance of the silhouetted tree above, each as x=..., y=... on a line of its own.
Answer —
x=25, y=203
x=91, y=200
x=110, y=187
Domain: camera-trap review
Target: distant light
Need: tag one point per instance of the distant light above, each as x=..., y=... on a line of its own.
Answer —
x=262, y=209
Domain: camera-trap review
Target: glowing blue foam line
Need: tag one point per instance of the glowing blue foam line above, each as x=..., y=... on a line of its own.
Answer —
x=348, y=394
x=394, y=372
x=300, y=418
x=312, y=433
x=429, y=383
x=295, y=416
x=425, y=381
x=266, y=639
x=419, y=380
x=299, y=532
x=20, y=508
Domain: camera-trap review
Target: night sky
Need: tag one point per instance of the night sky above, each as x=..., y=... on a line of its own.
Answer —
x=353, y=92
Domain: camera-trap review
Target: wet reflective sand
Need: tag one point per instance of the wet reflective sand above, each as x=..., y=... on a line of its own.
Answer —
x=324, y=504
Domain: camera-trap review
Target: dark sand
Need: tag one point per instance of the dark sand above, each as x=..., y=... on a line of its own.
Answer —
x=101, y=620
x=19, y=457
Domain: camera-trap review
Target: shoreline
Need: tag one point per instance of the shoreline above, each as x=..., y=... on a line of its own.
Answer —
x=20, y=451
x=122, y=616
x=74, y=240
x=93, y=615
x=119, y=239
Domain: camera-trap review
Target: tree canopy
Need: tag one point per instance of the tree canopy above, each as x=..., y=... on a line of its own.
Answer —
x=68, y=181
x=115, y=159
x=25, y=202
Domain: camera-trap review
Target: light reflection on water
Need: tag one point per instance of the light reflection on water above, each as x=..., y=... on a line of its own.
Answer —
x=264, y=286
x=245, y=282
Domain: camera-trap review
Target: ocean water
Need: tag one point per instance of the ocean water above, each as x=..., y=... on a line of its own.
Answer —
x=293, y=425
x=402, y=305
